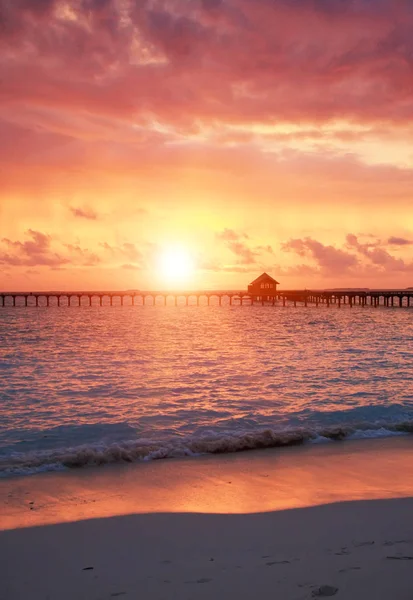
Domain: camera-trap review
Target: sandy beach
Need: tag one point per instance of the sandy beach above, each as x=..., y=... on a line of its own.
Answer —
x=321, y=521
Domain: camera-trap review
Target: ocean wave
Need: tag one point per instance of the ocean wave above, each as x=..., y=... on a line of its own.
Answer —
x=19, y=463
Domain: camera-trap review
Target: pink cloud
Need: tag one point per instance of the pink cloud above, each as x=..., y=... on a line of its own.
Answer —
x=232, y=61
x=229, y=235
x=39, y=250
x=154, y=89
x=130, y=267
x=333, y=261
x=236, y=243
x=248, y=257
x=126, y=251
x=35, y=251
x=217, y=267
x=379, y=256
x=82, y=256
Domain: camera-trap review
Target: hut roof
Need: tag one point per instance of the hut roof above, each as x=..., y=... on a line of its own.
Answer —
x=264, y=277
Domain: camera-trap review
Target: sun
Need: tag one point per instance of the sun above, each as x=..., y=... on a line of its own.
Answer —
x=176, y=264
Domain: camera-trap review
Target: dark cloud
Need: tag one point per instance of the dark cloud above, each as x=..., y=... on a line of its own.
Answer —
x=36, y=6
x=84, y=213
x=399, y=241
x=97, y=4
x=211, y=4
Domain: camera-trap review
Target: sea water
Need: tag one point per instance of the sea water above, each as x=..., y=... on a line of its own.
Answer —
x=93, y=385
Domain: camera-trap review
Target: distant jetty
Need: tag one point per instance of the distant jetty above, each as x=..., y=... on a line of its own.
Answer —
x=338, y=298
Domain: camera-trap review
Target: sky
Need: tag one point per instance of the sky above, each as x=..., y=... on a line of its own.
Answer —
x=248, y=135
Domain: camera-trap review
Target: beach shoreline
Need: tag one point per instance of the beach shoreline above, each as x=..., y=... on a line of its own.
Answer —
x=283, y=523
x=244, y=482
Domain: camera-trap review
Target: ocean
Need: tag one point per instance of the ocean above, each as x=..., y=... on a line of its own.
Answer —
x=98, y=385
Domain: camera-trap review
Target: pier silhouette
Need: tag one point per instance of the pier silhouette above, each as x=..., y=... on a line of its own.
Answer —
x=338, y=298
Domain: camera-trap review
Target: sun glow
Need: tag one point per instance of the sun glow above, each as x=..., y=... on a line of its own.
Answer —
x=176, y=264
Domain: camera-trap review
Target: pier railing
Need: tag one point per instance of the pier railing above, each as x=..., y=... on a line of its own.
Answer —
x=375, y=298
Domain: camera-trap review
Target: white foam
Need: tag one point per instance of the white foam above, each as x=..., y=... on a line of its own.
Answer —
x=214, y=443
x=369, y=434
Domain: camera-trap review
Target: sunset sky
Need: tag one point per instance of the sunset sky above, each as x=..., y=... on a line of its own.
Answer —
x=251, y=135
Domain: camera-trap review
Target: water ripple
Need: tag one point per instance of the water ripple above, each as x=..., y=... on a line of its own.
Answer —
x=166, y=371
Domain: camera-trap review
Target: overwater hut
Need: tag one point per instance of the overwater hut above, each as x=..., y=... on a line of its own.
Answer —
x=264, y=288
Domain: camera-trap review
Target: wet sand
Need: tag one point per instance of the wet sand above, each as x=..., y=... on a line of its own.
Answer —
x=328, y=520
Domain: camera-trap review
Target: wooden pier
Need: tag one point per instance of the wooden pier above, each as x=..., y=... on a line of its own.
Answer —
x=336, y=298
